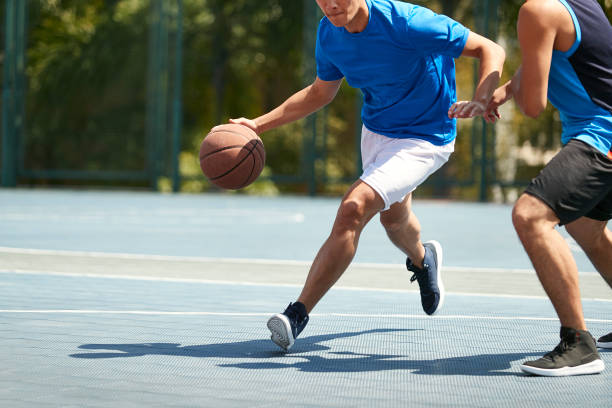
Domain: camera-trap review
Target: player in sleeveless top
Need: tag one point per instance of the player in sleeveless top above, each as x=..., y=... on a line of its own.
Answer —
x=566, y=52
x=401, y=56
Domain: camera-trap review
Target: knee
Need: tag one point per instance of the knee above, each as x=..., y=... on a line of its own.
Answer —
x=351, y=215
x=524, y=217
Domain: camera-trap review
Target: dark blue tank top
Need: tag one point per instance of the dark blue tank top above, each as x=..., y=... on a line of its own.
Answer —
x=580, y=82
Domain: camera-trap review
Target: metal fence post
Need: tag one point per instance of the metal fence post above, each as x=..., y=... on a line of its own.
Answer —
x=176, y=103
x=157, y=89
x=490, y=11
x=12, y=92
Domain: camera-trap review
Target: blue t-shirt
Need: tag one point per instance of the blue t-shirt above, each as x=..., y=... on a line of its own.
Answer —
x=403, y=62
x=580, y=80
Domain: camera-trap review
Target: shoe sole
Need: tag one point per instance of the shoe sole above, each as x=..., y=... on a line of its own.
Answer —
x=280, y=328
x=437, y=249
x=594, y=367
x=606, y=345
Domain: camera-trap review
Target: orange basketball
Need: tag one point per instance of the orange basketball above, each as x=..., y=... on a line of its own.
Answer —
x=232, y=156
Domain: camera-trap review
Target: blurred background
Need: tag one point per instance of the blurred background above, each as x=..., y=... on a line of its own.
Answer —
x=120, y=93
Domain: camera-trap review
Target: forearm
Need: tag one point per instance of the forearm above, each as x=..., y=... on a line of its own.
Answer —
x=490, y=70
x=513, y=87
x=297, y=106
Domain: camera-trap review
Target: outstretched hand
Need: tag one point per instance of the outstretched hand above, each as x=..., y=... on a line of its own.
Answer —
x=500, y=96
x=466, y=109
x=490, y=113
x=245, y=122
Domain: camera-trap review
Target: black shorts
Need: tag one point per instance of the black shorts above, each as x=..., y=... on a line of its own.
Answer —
x=577, y=182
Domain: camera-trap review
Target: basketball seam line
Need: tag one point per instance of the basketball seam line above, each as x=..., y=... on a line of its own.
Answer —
x=252, y=167
x=262, y=157
x=242, y=135
x=237, y=164
x=220, y=150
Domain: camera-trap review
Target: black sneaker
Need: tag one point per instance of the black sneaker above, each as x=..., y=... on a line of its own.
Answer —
x=429, y=278
x=576, y=354
x=287, y=326
x=605, y=341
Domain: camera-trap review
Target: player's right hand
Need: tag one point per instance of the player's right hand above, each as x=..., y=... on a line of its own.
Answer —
x=466, y=109
x=246, y=122
x=500, y=96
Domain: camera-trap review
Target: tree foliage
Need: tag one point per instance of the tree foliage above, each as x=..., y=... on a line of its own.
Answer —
x=87, y=69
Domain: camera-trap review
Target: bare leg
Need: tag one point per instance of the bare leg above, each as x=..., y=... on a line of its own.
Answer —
x=596, y=241
x=404, y=230
x=358, y=207
x=551, y=257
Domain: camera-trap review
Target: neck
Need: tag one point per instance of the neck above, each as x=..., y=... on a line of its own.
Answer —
x=360, y=20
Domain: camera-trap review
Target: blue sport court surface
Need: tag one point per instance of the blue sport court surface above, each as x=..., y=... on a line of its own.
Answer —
x=140, y=299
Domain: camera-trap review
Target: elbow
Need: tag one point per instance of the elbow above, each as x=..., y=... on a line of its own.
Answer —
x=501, y=54
x=321, y=98
x=533, y=110
x=328, y=99
x=492, y=55
x=531, y=107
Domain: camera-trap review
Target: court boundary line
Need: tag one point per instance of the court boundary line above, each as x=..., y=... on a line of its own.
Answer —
x=239, y=314
x=269, y=284
x=241, y=261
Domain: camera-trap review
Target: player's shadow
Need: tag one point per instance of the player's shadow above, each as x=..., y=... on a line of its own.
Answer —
x=263, y=349
x=473, y=365
x=302, y=358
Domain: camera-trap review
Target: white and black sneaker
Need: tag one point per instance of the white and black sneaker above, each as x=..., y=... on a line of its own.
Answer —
x=605, y=341
x=286, y=326
x=430, y=277
x=576, y=354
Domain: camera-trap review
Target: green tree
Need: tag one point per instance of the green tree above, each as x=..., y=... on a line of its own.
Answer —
x=87, y=87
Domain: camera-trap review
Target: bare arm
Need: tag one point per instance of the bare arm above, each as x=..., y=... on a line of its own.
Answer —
x=536, y=37
x=297, y=106
x=492, y=58
x=529, y=85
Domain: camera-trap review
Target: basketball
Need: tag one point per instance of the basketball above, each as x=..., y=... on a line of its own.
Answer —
x=232, y=156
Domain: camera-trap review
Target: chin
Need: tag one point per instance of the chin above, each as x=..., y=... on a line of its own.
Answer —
x=338, y=22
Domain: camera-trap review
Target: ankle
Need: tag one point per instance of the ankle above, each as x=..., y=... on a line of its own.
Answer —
x=301, y=309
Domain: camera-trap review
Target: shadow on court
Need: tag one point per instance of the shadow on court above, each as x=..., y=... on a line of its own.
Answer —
x=241, y=349
x=333, y=361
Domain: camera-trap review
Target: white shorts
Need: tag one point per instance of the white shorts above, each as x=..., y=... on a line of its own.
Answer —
x=396, y=167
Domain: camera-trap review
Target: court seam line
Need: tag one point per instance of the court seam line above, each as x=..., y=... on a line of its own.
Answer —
x=238, y=314
x=269, y=284
x=259, y=261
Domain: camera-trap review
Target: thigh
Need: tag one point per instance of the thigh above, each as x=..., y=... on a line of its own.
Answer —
x=575, y=183
x=586, y=230
x=396, y=167
x=397, y=211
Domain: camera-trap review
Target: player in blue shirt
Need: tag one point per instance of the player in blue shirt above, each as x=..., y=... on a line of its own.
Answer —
x=566, y=47
x=401, y=57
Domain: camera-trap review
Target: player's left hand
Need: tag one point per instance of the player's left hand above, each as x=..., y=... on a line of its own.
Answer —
x=466, y=109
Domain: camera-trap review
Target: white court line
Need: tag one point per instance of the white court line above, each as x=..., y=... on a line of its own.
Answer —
x=263, y=284
x=241, y=261
x=118, y=255
x=226, y=314
x=151, y=278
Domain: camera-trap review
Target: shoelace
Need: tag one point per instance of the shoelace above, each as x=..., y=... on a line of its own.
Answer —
x=561, y=348
x=293, y=315
x=419, y=275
